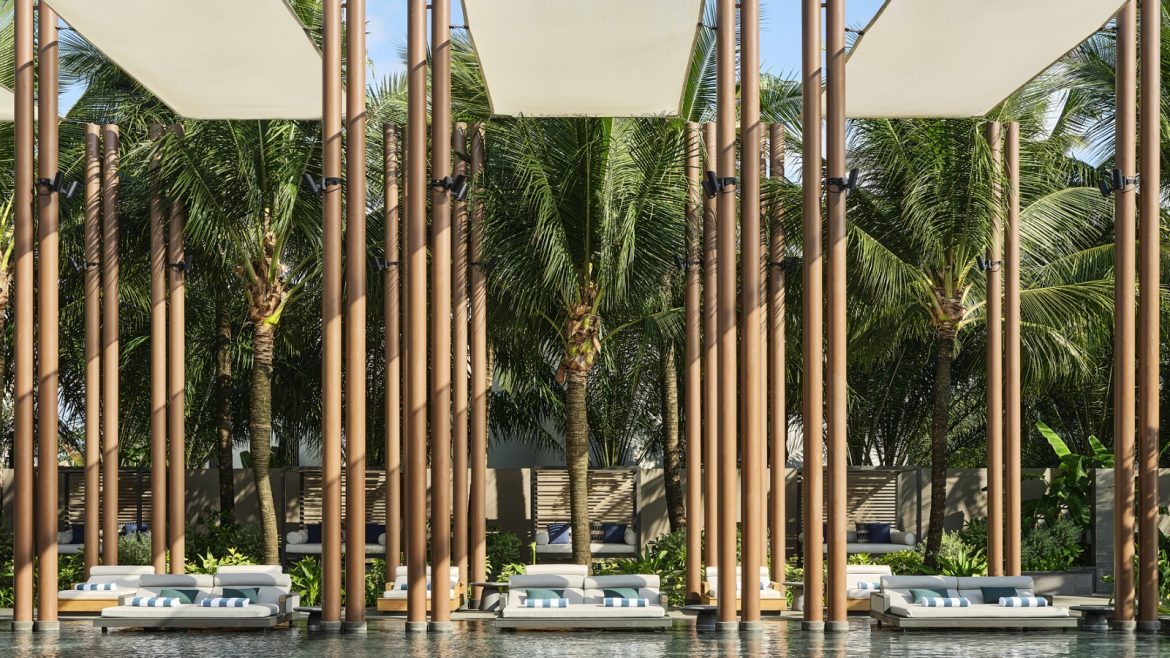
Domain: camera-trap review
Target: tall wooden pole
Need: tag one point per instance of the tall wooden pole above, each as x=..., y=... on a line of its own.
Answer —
x=93, y=361
x=995, y=360
x=111, y=346
x=177, y=387
x=728, y=390
x=710, y=360
x=459, y=382
x=481, y=379
x=355, y=311
x=331, y=320
x=158, y=362
x=390, y=279
x=23, y=544
x=1124, y=324
x=415, y=314
x=1012, y=406
x=48, y=312
x=440, y=393
x=1149, y=359
x=693, y=372
x=838, y=448
x=753, y=369
x=777, y=380
x=812, y=323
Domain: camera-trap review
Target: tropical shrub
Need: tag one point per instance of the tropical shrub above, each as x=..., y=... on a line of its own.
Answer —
x=503, y=553
x=904, y=563
x=665, y=556
x=375, y=581
x=1070, y=491
x=209, y=563
x=306, y=580
x=214, y=534
x=134, y=549
x=1052, y=547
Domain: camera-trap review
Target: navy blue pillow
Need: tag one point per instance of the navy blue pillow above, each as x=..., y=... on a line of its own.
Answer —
x=879, y=533
x=132, y=528
x=314, y=532
x=560, y=533
x=613, y=533
x=78, y=533
x=373, y=531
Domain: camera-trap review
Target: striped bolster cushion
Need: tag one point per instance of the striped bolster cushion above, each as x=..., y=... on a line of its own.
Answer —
x=95, y=587
x=1023, y=602
x=546, y=603
x=220, y=602
x=872, y=587
x=625, y=603
x=940, y=602
x=154, y=602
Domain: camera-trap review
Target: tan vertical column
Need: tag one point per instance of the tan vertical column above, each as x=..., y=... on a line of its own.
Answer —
x=995, y=360
x=1149, y=321
x=440, y=393
x=481, y=379
x=1013, y=479
x=355, y=314
x=415, y=314
x=177, y=388
x=777, y=409
x=93, y=342
x=1124, y=364
x=753, y=369
x=728, y=393
x=393, y=356
x=111, y=346
x=710, y=360
x=23, y=541
x=158, y=363
x=837, y=338
x=48, y=312
x=459, y=359
x=331, y=321
x=694, y=378
x=812, y=323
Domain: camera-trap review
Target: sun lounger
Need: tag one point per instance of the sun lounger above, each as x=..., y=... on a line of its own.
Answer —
x=636, y=602
x=394, y=598
x=273, y=605
x=857, y=576
x=112, y=581
x=771, y=596
x=894, y=606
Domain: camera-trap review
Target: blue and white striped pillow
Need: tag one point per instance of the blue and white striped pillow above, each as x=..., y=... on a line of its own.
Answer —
x=869, y=587
x=95, y=587
x=948, y=602
x=1023, y=602
x=154, y=602
x=220, y=602
x=625, y=603
x=546, y=603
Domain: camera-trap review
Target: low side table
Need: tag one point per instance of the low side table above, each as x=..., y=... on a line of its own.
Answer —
x=313, y=624
x=1094, y=618
x=704, y=617
x=489, y=598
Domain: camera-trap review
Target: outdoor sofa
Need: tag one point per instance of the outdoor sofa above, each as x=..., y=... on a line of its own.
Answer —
x=772, y=598
x=394, y=598
x=584, y=598
x=857, y=576
x=271, y=601
x=606, y=540
x=103, y=589
x=898, y=541
x=307, y=540
x=894, y=607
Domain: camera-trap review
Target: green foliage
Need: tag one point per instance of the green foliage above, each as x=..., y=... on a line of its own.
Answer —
x=306, y=580
x=904, y=563
x=503, y=553
x=213, y=534
x=1052, y=547
x=860, y=558
x=975, y=533
x=134, y=549
x=209, y=563
x=70, y=570
x=665, y=556
x=1071, y=489
x=957, y=558
x=375, y=581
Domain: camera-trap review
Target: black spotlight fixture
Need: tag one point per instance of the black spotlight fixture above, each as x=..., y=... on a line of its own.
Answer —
x=457, y=187
x=183, y=265
x=1116, y=182
x=713, y=184
x=844, y=185
x=70, y=189
x=319, y=187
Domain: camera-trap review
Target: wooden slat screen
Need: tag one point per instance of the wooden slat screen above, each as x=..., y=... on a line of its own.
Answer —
x=612, y=496
x=871, y=497
x=133, y=494
x=312, y=496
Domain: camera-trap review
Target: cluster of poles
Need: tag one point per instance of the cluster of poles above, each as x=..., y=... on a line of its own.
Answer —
x=743, y=401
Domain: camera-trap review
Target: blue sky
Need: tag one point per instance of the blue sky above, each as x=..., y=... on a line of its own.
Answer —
x=779, y=32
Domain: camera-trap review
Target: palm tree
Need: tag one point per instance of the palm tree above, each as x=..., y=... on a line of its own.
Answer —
x=916, y=229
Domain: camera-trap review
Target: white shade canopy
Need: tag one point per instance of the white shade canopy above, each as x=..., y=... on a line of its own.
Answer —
x=961, y=58
x=208, y=59
x=612, y=58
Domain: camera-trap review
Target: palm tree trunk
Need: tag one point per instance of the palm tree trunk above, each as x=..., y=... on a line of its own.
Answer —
x=671, y=455
x=260, y=433
x=577, y=460
x=223, y=409
x=940, y=421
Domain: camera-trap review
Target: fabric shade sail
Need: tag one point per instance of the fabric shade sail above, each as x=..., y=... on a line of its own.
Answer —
x=961, y=58
x=609, y=58
x=208, y=59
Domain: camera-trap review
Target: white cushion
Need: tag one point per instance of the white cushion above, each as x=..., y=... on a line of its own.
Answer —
x=297, y=537
x=382, y=539
x=542, y=538
x=583, y=611
x=189, y=611
x=65, y=536
x=631, y=537
x=976, y=611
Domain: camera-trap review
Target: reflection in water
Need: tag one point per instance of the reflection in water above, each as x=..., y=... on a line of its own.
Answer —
x=476, y=639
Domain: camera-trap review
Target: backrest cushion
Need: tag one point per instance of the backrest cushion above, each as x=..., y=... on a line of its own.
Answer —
x=401, y=572
x=124, y=578
x=605, y=582
x=557, y=569
x=552, y=581
x=574, y=595
x=972, y=587
x=153, y=585
x=903, y=584
x=250, y=568
x=864, y=573
x=253, y=580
